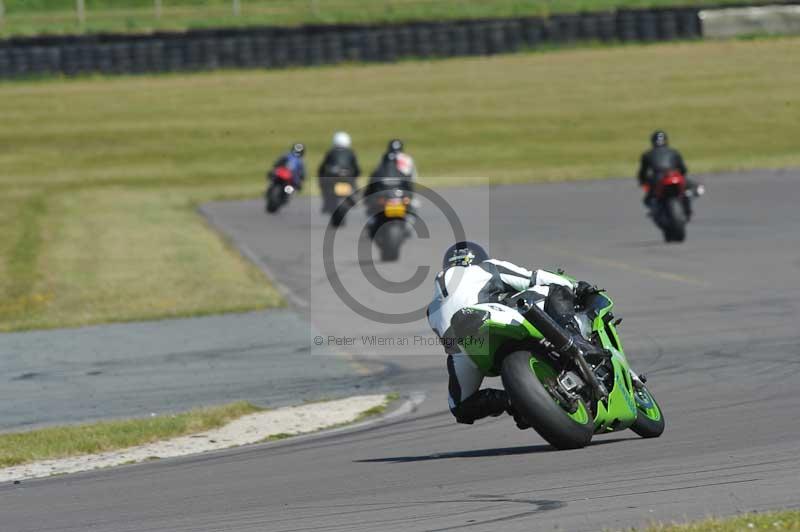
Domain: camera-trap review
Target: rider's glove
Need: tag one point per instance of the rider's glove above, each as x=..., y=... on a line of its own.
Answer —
x=583, y=290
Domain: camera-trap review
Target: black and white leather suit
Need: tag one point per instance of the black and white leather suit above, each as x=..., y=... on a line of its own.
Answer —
x=458, y=287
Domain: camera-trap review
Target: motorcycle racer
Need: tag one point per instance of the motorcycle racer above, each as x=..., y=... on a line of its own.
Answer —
x=658, y=161
x=340, y=162
x=293, y=162
x=469, y=277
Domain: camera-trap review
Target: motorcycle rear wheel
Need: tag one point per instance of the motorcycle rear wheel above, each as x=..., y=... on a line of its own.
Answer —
x=521, y=373
x=675, y=229
x=390, y=238
x=674, y=235
x=329, y=203
x=274, y=198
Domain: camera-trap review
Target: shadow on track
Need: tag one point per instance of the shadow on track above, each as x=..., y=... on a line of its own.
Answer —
x=643, y=244
x=483, y=453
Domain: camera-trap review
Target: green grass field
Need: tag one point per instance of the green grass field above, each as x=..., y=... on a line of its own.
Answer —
x=99, y=176
x=92, y=438
x=26, y=17
x=774, y=521
x=58, y=442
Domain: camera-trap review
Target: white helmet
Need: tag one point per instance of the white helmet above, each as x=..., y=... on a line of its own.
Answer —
x=341, y=140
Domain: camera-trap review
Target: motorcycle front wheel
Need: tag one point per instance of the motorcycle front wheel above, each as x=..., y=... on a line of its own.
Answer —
x=649, y=418
x=523, y=375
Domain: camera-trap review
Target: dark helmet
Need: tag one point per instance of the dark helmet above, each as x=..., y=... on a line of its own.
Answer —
x=659, y=138
x=299, y=149
x=463, y=254
x=395, y=145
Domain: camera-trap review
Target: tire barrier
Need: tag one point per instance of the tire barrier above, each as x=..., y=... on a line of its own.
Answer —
x=272, y=47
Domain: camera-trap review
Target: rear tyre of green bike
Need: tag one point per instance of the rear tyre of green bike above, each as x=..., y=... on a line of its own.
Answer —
x=521, y=374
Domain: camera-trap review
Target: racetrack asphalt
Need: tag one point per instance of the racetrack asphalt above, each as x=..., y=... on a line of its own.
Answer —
x=713, y=323
x=135, y=369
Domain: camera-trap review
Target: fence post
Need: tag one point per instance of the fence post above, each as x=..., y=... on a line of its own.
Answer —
x=81, y=7
x=237, y=8
x=158, y=9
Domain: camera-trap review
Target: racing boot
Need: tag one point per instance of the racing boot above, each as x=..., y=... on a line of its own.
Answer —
x=485, y=403
x=481, y=404
x=522, y=424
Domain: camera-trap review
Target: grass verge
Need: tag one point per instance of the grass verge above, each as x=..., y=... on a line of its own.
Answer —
x=104, y=254
x=60, y=442
x=772, y=521
x=380, y=409
x=28, y=17
x=50, y=443
x=101, y=175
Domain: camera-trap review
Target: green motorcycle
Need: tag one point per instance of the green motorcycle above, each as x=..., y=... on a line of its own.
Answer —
x=566, y=390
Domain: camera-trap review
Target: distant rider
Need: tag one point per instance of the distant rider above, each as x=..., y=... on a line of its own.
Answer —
x=339, y=162
x=395, y=163
x=468, y=277
x=293, y=161
x=657, y=162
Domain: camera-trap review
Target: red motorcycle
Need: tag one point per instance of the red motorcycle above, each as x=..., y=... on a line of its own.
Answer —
x=671, y=207
x=280, y=189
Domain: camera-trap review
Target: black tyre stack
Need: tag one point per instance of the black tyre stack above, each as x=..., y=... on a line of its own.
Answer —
x=272, y=47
